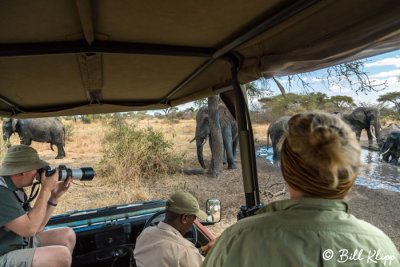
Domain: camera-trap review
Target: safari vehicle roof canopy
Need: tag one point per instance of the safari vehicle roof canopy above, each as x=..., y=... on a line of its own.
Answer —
x=70, y=57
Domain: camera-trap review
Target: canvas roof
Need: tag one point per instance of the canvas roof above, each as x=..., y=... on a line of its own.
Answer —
x=70, y=57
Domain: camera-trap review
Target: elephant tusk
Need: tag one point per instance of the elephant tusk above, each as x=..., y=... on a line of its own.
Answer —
x=194, y=138
x=372, y=132
x=385, y=152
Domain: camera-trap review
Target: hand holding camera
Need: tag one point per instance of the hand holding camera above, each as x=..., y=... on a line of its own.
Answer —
x=48, y=182
x=82, y=174
x=49, y=178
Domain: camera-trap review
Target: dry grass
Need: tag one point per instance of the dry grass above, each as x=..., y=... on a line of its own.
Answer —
x=85, y=149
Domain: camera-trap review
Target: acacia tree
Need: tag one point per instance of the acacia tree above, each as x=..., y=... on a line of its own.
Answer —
x=342, y=101
x=291, y=103
x=349, y=74
x=393, y=97
x=170, y=110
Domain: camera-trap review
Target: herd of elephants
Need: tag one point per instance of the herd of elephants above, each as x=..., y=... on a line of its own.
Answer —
x=388, y=138
x=51, y=130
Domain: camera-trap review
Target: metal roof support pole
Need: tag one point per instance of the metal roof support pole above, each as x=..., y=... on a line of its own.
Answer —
x=247, y=150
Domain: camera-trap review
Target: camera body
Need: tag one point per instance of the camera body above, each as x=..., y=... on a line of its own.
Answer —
x=82, y=174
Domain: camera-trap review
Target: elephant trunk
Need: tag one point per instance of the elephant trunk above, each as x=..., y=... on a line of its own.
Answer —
x=199, y=144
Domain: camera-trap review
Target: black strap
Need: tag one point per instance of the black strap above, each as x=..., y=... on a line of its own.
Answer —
x=23, y=198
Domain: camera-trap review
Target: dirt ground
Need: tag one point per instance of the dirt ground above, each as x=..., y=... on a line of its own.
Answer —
x=379, y=207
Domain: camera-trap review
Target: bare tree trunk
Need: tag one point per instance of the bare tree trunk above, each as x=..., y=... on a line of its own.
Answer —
x=215, y=138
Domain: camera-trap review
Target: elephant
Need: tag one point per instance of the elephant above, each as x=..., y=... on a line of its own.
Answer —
x=391, y=148
x=385, y=132
x=363, y=118
x=229, y=132
x=275, y=132
x=49, y=130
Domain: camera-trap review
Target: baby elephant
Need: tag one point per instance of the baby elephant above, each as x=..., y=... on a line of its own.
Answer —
x=391, y=148
x=275, y=132
x=46, y=130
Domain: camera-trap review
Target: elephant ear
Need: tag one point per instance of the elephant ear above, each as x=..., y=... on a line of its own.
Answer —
x=359, y=115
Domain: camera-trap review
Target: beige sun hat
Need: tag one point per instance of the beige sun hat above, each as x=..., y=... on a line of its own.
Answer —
x=19, y=159
x=185, y=203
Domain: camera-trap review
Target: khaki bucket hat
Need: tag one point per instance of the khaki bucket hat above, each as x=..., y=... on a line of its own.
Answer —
x=185, y=203
x=19, y=159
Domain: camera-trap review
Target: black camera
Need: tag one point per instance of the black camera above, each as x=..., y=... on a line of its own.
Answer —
x=82, y=174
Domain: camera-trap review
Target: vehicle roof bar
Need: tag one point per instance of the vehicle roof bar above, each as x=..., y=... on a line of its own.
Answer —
x=246, y=142
x=99, y=46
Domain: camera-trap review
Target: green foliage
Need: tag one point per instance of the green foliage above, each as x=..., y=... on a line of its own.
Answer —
x=291, y=104
x=131, y=153
x=342, y=101
x=86, y=119
x=200, y=103
x=141, y=115
x=67, y=118
x=393, y=97
x=279, y=105
x=69, y=131
x=389, y=114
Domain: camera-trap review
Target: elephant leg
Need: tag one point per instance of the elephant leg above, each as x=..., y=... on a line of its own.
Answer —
x=224, y=156
x=358, y=134
x=227, y=140
x=275, y=155
x=60, y=151
x=234, y=147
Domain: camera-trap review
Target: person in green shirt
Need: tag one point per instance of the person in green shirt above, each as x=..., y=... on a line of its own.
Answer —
x=320, y=158
x=22, y=239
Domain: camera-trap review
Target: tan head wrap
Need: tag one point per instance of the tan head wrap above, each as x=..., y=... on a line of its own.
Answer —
x=324, y=159
x=307, y=180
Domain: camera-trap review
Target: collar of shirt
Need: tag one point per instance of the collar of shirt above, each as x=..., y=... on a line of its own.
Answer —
x=167, y=227
x=305, y=203
x=10, y=183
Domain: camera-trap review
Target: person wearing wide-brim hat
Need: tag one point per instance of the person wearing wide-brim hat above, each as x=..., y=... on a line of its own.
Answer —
x=164, y=245
x=23, y=243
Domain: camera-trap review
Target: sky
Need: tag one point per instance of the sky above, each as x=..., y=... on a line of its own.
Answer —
x=381, y=68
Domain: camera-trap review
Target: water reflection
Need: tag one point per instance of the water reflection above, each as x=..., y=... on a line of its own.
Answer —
x=375, y=174
x=266, y=153
x=378, y=174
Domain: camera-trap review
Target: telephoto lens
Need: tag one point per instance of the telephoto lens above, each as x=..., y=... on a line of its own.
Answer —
x=82, y=174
